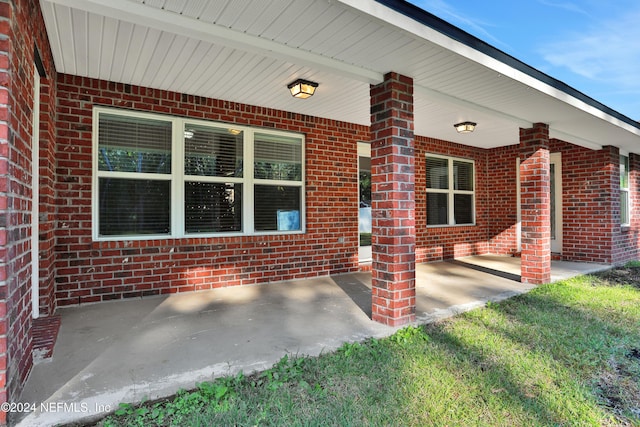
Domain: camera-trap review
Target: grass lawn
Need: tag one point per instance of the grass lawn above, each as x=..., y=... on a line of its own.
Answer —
x=565, y=354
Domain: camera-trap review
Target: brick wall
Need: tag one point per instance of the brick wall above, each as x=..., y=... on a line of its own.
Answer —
x=591, y=205
x=89, y=271
x=503, y=200
x=588, y=188
x=96, y=271
x=21, y=29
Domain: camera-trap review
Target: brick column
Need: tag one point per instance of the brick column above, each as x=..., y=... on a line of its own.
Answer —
x=5, y=267
x=393, y=201
x=612, y=244
x=535, y=204
x=634, y=200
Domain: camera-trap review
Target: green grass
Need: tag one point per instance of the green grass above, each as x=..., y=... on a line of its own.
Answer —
x=565, y=354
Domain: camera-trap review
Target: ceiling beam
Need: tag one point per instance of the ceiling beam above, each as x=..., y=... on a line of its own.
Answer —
x=162, y=20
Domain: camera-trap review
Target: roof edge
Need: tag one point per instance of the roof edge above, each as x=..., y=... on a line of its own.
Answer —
x=440, y=25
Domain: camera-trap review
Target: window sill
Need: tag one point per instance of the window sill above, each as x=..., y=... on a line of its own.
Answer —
x=165, y=237
x=451, y=226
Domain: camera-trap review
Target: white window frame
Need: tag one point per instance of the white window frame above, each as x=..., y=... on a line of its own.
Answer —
x=178, y=179
x=624, y=191
x=451, y=191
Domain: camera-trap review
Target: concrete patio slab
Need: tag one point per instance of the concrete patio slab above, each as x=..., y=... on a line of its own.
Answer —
x=149, y=348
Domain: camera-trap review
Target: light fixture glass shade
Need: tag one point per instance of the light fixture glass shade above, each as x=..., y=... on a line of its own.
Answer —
x=302, y=88
x=465, y=127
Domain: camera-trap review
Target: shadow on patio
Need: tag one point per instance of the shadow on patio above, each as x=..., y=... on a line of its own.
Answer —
x=149, y=348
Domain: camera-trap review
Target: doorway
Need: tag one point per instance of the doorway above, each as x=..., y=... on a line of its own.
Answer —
x=364, y=188
x=555, y=178
x=556, y=202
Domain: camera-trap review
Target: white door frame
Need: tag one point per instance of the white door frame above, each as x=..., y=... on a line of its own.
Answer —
x=556, y=244
x=364, y=252
x=35, y=196
x=556, y=160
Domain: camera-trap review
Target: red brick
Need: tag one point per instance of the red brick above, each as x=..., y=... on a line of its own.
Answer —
x=391, y=164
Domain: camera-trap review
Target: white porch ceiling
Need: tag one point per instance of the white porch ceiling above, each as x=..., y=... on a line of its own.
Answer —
x=248, y=50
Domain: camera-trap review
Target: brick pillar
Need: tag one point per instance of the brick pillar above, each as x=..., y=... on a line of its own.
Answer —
x=612, y=244
x=634, y=200
x=393, y=201
x=47, y=195
x=5, y=268
x=535, y=204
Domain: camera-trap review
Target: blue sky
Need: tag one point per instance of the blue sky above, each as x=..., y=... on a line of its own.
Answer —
x=592, y=45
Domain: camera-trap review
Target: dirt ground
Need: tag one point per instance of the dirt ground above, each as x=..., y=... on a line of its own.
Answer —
x=622, y=275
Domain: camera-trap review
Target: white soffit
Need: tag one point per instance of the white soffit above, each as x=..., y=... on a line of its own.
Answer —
x=248, y=50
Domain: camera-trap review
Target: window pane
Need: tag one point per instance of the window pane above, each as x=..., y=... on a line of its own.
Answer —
x=364, y=166
x=624, y=172
x=437, y=209
x=624, y=207
x=131, y=206
x=278, y=157
x=133, y=144
x=463, y=175
x=212, y=207
x=437, y=173
x=277, y=208
x=463, y=208
x=212, y=151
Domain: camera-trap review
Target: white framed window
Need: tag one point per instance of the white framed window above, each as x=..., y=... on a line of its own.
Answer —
x=624, y=191
x=158, y=176
x=450, y=191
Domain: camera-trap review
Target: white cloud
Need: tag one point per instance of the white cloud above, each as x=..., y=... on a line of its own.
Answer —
x=569, y=6
x=450, y=14
x=606, y=52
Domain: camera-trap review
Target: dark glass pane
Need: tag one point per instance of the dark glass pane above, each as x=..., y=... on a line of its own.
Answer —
x=437, y=173
x=364, y=218
x=277, y=208
x=463, y=208
x=134, y=207
x=624, y=172
x=437, y=209
x=365, y=181
x=133, y=144
x=212, y=207
x=463, y=175
x=212, y=151
x=277, y=157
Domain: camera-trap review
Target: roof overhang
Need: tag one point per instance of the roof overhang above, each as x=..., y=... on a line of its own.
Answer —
x=249, y=50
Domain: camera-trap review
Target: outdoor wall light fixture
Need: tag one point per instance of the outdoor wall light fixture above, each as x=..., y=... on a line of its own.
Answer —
x=465, y=127
x=302, y=89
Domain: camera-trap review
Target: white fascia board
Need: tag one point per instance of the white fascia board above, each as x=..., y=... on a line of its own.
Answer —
x=162, y=20
x=403, y=22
